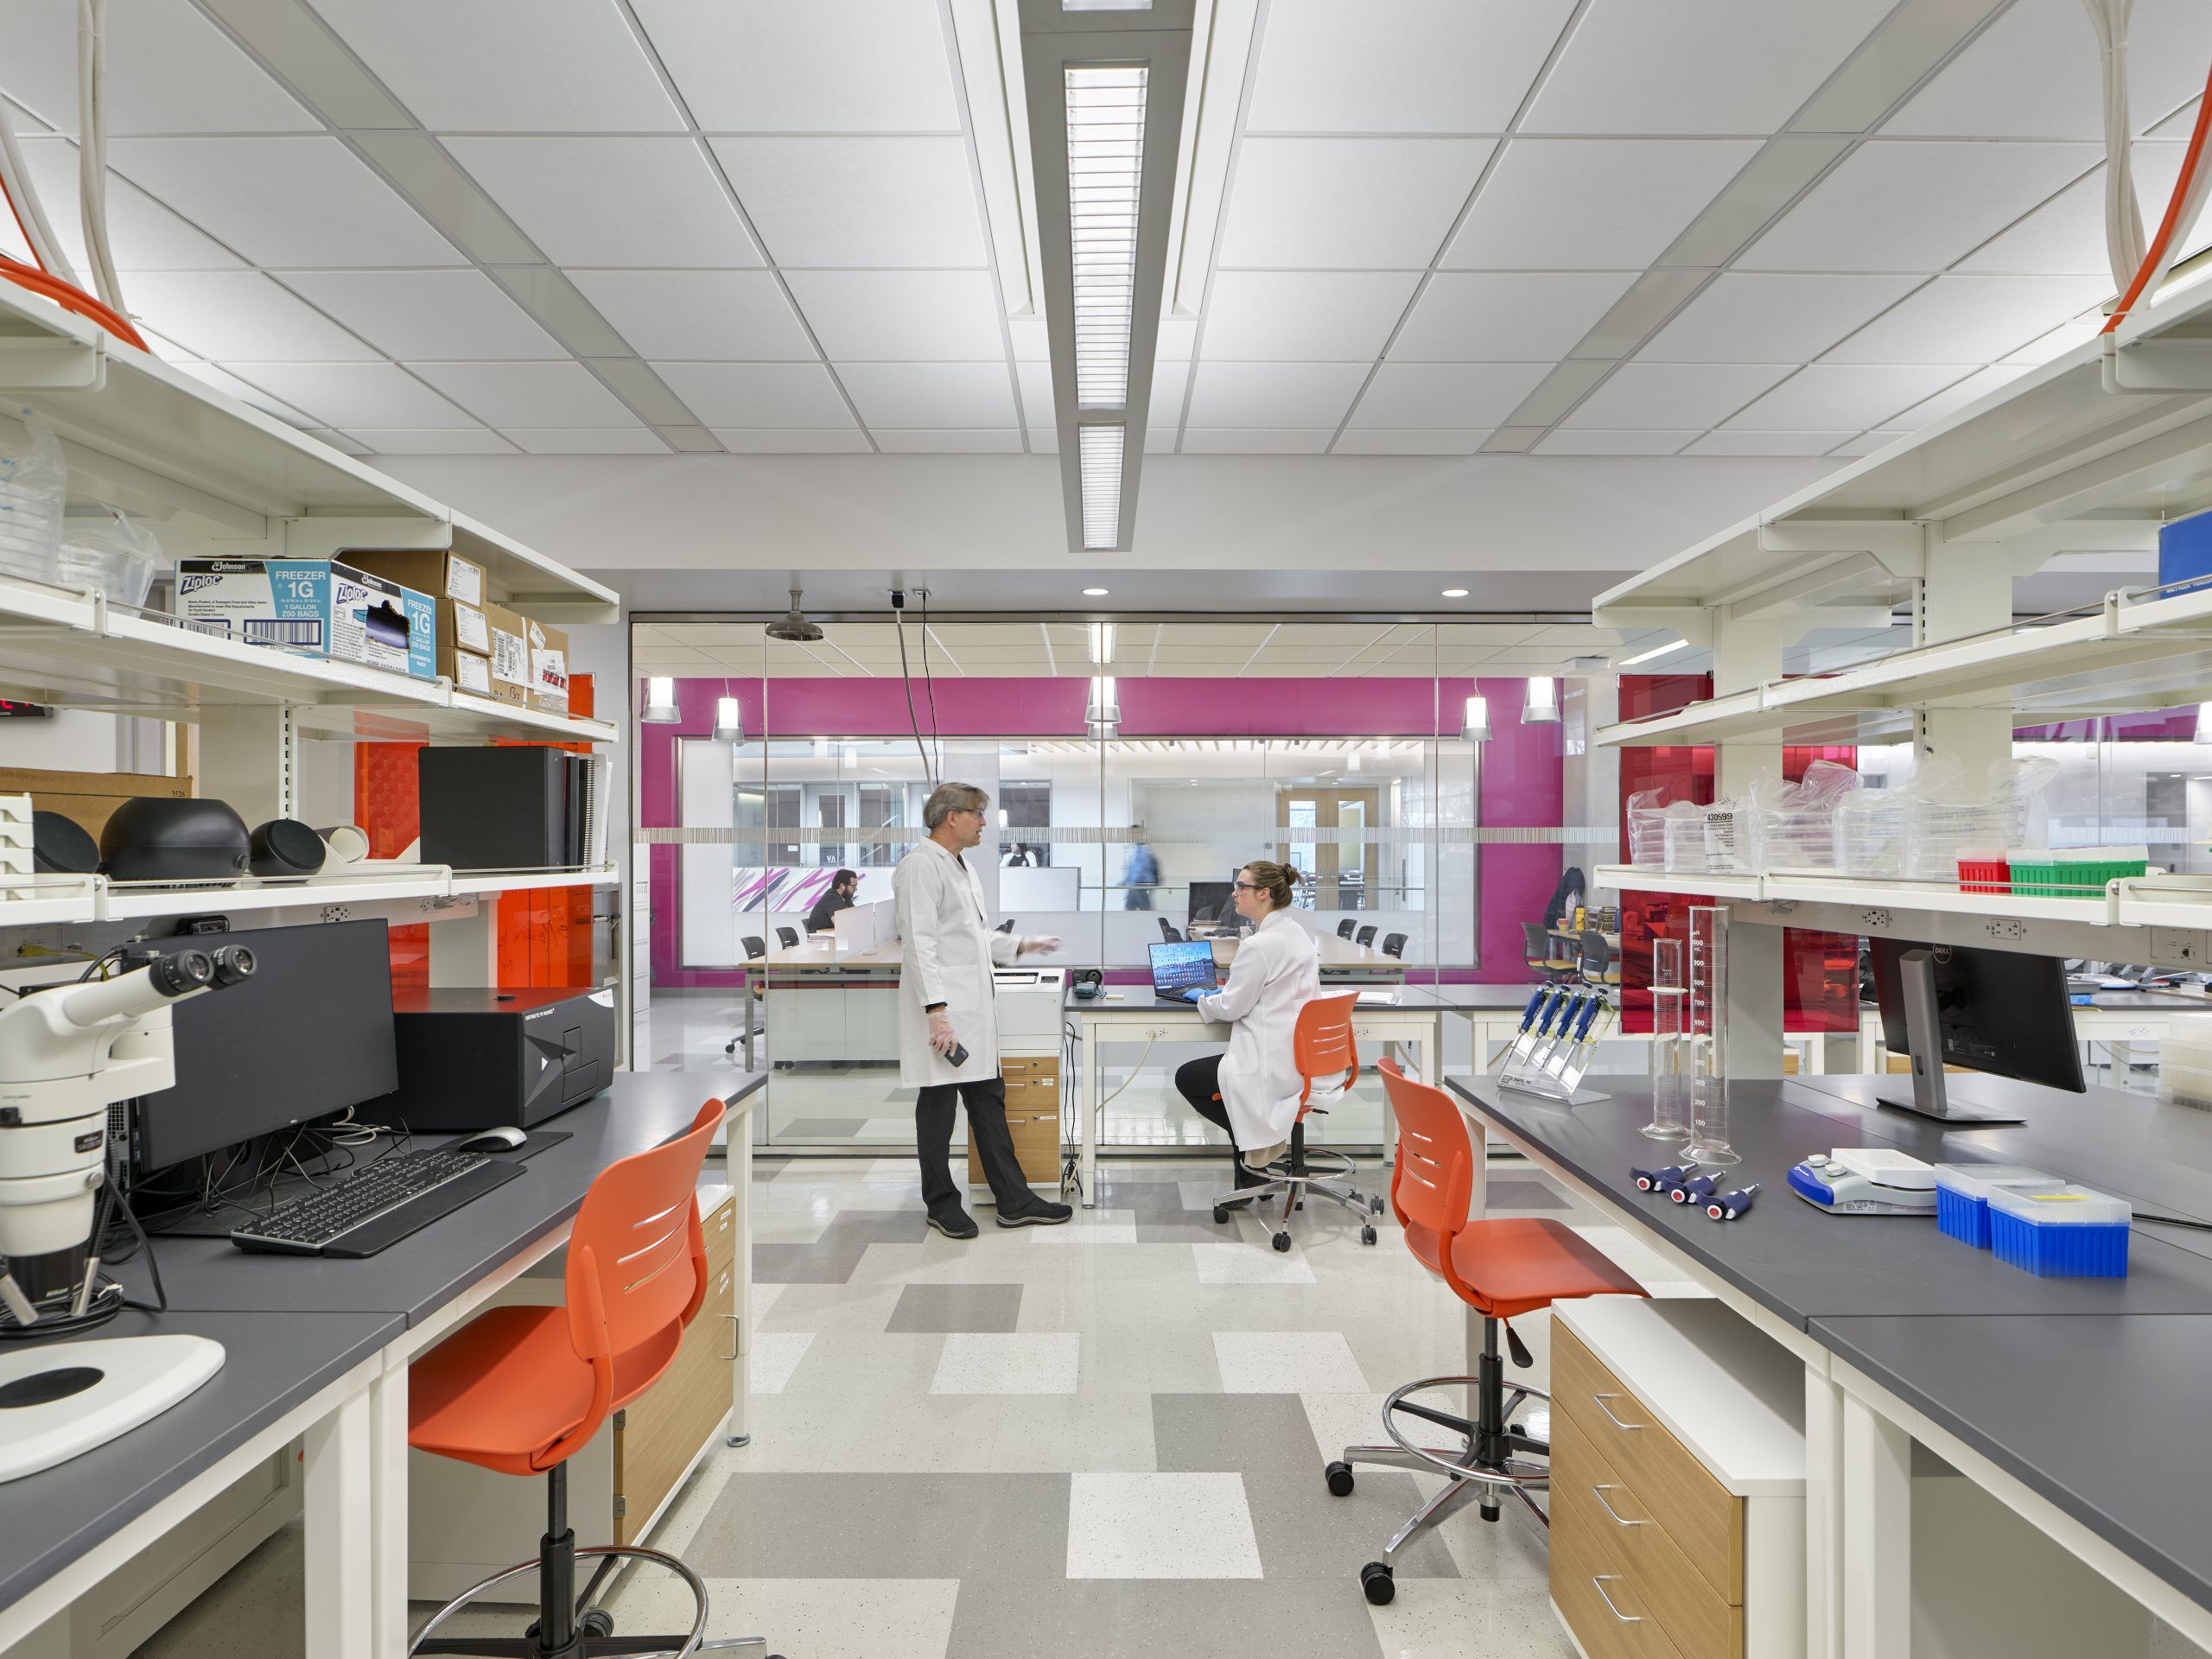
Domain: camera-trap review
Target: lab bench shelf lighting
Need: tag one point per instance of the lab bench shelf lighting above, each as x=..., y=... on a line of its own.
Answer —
x=2148, y=901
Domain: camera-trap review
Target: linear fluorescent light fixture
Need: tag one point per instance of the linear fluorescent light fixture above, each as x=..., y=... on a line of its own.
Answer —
x=1105, y=106
x=1102, y=643
x=1099, y=455
x=1655, y=653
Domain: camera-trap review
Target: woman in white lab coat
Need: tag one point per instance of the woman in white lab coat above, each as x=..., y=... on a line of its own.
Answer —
x=947, y=1005
x=1252, y=1090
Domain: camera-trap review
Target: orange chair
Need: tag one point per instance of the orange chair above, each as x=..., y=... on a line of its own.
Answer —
x=1503, y=1269
x=1322, y=1043
x=522, y=1389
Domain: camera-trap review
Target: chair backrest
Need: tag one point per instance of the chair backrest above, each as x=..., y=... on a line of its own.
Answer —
x=788, y=937
x=1344, y=928
x=1394, y=944
x=1365, y=936
x=1321, y=1044
x=1596, y=953
x=1535, y=944
x=1435, y=1175
x=1167, y=931
x=637, y=1268
x=755, y=945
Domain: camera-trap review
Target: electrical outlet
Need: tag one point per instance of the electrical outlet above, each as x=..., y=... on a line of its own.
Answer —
x=2177, y=947
x=2000, y=927
x=336, y=913
x=1874, y=919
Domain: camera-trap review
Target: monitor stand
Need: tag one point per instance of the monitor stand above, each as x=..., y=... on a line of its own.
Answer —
x=1924, y=1036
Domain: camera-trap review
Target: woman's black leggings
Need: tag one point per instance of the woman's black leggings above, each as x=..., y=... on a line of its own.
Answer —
x=1199, y=1083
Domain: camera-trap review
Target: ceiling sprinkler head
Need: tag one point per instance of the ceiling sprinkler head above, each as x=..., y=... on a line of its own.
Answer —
x=794, y=627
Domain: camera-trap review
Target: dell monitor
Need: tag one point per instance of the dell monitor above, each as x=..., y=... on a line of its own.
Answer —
x=1212, y=905
x=310, y=1034
x=2002, y=1012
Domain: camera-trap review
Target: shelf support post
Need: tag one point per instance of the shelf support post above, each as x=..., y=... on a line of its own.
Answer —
x=1747, y=652
x=1966, y=589
x=250, y=756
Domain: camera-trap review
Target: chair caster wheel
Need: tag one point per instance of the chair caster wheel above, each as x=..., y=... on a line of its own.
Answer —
x=1220, y=1214
x=596, y=1623
x=1367, y=1235
x=1340, y=1479
x=1376, y=1204
x=1282, y=1242
x=1374, y=1578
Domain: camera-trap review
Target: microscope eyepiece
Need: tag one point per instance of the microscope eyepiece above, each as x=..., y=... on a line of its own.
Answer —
x=182, y=971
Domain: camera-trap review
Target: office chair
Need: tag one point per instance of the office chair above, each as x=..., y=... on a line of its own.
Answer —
x=1394, y=944
x=522, y=1390
x=1344, y=928
x=788, y=937
x=1321, y=1046
x=1536, y=947
x=1562, y=951
x=1365, y=936
x=1600, y=966
x=1167, y=931
x=1501, y=1270
x=757, y=994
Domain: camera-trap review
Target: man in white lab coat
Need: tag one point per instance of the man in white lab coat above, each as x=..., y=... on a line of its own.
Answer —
x=948, y=1022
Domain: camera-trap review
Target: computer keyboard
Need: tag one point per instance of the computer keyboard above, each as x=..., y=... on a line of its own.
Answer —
x=393, y=1196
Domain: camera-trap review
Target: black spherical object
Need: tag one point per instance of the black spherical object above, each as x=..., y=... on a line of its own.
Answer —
x=156, y=838
x=62, y=845
x=285, y=847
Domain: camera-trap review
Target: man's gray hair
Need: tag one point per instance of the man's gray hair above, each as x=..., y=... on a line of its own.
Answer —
x=947, y=799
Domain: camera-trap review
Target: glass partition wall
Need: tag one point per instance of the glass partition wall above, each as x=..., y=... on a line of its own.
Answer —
x=1109, y=835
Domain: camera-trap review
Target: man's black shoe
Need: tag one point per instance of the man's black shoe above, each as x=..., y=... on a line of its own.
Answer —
x=955, y=1224
x=1038, y=1212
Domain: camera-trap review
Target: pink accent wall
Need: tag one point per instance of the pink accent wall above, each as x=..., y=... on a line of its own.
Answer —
x=1521, y=783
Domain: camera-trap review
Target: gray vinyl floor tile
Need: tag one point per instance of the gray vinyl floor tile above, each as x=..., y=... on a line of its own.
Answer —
x=1144, y=1618
x=956, y=1307
x=913, y=1526
x=824, y=1129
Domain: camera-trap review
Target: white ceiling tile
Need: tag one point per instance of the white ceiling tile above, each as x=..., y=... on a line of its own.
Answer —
x=1971, y=319
x=901, y=316
x=1498, y=316
x=1697, y=66
x=1170, y=382
x=1351, y=204
x=224, y=381
x=827, y=65
x=1178, y=338
x=167, y=350
x=1844, y=397
x=1570, y=441
x=461, y=441
x=1045, y=441
x=1399, y=66
x=430, y=315
x=1772, y=317
x=1252, y=394
x=1767, y=443
x=2067, y=233
x=859, y=202
x=758, y=394
x=352, y=395
x=528, y=394
x=144, y=234
x=1304, y=316
x=241, y=315
x=1672, y=395
x=793, y=441
x=2033, y=74
x=949, y=440
x=168, y=70
x=284, y=200
x=1032, y=342
x=1158, y=440
x=912, y=395
x=612, y=201
x=508, y=66
x=1446, y=394
x=1036, y=382
x=1632, y=198
x=2059, y=341
x=344, y=442
x=2180, y=123
x=1435, y=440
x=1261, y=441
x=588, y=440
x=1955, y=397
x=1867, y=443
x=735, y=316
x=1915, y=205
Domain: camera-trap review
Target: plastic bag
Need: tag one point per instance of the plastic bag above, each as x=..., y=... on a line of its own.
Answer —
x=34, y=493
x=113, y=552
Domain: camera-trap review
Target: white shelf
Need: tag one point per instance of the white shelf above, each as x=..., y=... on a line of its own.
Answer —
x=465, y=882
x=46, y=900
x=1868, y=894
x=62, y=900
x=148, y=438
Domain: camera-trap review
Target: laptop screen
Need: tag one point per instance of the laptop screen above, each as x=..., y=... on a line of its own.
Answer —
x=1177, y=967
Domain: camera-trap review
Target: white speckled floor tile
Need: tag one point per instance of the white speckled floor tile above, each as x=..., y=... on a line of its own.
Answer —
x=1154, y=1526
x=1287, y=1361
x=774, y=1356
x=1089, y=1227
x=1009, y=1361
x=765, y=1297
x=1248, y=1263
x=819, y=1618
x=1343, y=1420
x=1450, y=1619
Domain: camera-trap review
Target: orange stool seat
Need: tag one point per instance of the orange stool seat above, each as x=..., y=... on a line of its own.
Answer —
x=1517, y=1266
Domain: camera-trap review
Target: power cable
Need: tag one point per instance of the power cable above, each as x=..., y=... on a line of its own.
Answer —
x=906, y=680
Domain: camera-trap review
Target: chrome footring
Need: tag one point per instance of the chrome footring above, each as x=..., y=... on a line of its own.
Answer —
x=1497, y=1476
x=1346, y=1168
x=691, y=1643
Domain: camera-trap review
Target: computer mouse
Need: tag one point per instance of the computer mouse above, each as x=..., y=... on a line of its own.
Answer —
x=503, y=1139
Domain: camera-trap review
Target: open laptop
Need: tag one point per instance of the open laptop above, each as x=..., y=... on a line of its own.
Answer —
x=1177, y=967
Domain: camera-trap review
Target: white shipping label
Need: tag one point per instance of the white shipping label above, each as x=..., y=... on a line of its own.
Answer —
x=472, y=629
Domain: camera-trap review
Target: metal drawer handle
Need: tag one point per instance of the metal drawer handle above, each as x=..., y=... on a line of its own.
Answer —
x=1626, y=1618
x=1608, y=1410
x=732, y=1355
x=1618, y=1519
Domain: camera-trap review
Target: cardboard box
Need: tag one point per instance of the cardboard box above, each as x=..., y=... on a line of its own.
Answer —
x=468, y=671
x=87, y=798
x=457, y=586
x=311, y=608
x=510, y=657
x=549, y=667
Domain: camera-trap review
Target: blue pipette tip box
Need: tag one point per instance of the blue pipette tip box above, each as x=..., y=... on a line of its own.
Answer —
x=2060, y=1232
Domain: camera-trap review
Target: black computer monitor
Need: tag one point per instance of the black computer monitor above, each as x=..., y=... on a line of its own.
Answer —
x=2002, y=1012
x=310, y=1034
x=1212, y=905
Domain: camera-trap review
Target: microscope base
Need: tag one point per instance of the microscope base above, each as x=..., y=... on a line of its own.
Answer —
x=65, y=1398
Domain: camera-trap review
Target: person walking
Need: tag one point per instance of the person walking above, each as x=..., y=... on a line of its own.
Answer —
x=948, y=1024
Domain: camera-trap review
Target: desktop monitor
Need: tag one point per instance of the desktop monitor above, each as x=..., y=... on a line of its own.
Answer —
x=2002, y=1012
x=1213, y=904
x=310, y=1034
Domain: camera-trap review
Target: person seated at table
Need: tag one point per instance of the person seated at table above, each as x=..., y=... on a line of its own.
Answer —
x=1252, y=1090
x=823, y=918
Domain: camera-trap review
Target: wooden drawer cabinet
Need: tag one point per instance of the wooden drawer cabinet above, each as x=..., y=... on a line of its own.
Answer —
x=657, y=1437
x=1608, y=1613
x=1032, y=1117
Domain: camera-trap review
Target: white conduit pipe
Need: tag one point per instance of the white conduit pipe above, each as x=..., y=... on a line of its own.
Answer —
x=2125, y=244
x=91, y=147
x=45, y=250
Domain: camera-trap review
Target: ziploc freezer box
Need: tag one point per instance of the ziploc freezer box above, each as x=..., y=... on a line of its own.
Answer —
x=311, y=608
